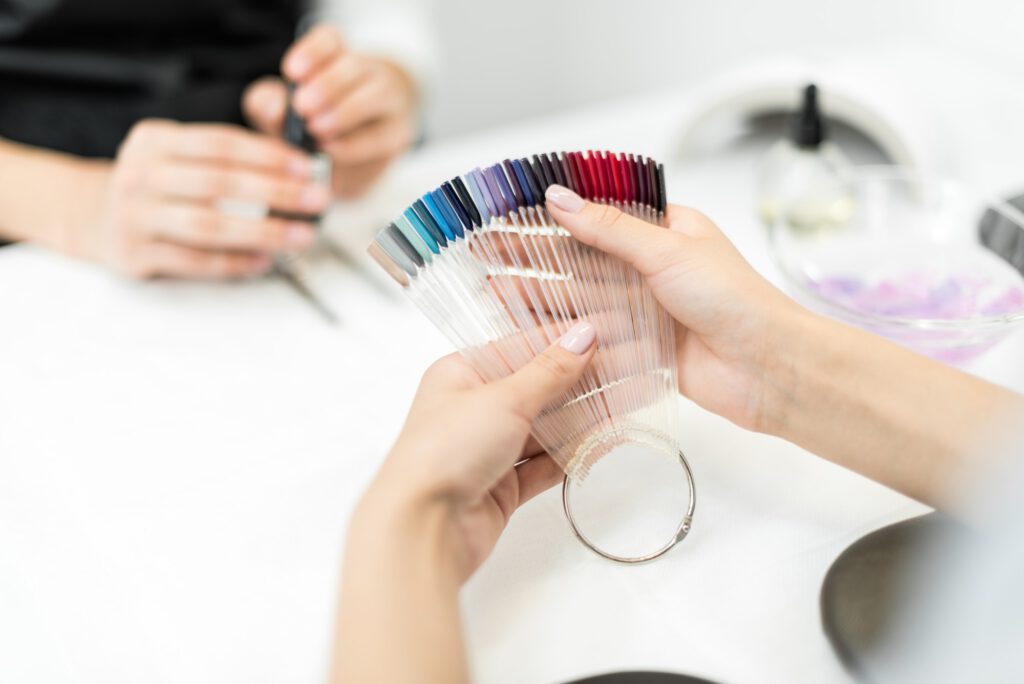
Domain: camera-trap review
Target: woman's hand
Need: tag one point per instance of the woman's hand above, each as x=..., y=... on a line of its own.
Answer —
x=360, y=109
x=730, y=319
x=465, y=445
x=749, y=353
x=156, y=211
x=461, y=466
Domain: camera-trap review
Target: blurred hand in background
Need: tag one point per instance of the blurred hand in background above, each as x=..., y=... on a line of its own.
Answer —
x=156, y=211
x=362, y=110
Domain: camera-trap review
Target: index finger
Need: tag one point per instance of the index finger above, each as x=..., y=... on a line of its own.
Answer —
x=643, y=245
x=311, y=51
x=235, y=146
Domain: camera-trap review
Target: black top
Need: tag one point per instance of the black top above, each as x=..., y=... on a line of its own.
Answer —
x=75, y=75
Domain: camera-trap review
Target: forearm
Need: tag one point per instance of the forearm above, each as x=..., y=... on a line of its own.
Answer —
x=45, y=196
x=869, y=405
x=399, y=617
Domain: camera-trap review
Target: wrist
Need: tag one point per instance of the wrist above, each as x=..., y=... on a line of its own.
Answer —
x=44, y=195
x=793, y=338
x=85, y=183
x=396, y=519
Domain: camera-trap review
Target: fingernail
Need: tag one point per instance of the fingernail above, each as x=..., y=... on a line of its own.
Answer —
x=271, y=106
x=300, y=236
x=262, y=263
x=579, y=338
x=306, y=99
x=296, y=66
x=314, y=198
x=565, y=199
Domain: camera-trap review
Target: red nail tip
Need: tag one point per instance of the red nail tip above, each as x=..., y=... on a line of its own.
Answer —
x=588, y=168
x=624, y=177
x=613, y=177
x=641, y=176
x=593, y=176
x=604, y=168
x=602, y=192
x=631, y=185
x=576, y=160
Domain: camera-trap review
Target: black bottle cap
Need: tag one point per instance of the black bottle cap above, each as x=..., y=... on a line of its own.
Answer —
x=807, y=128
x=295, y=130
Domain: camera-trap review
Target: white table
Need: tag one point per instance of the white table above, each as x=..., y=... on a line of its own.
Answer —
x=178, y=462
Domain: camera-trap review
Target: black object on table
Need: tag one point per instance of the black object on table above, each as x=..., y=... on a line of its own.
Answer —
x=864, y=591
x=641, y=678
x=1004, y=236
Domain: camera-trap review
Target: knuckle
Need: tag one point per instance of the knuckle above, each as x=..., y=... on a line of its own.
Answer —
x=148, y=131
x=272, y=234
x=279, y=158
x=219, y=183
x=521, y=408
x=220, y=143
x=203, y=223
x=607, y=215
x=554, y=364
x=141, y=131
x=284, y=194
x=154, y=176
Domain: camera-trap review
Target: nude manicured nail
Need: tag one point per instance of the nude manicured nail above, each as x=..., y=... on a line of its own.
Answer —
x=579, y=338
x=565, y=199
x=314, y=198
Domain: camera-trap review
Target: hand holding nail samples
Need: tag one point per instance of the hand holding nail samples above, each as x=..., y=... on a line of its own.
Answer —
x=727, y=315
x=466, y=448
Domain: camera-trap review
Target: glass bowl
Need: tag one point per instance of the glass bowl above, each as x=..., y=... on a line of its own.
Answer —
x=926, y=263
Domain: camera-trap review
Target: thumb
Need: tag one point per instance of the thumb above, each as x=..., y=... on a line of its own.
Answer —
x=554, y=371
x=264, y=104
x=608, y=229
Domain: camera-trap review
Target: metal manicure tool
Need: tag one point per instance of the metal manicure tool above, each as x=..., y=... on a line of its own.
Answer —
x=287, y=266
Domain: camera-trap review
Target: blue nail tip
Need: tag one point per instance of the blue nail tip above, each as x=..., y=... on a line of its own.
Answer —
x=470, y=202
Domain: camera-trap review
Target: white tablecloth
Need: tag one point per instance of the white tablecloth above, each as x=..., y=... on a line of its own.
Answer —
x=178, y=462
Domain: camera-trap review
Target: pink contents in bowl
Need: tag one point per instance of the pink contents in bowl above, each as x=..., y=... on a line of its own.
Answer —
x=922, y=296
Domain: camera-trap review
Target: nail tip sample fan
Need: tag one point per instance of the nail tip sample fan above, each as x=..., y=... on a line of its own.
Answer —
x=488, y=265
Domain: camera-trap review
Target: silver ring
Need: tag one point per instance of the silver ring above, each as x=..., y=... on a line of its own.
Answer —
x=680, y=534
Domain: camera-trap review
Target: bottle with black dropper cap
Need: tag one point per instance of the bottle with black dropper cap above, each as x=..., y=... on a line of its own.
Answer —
x=802, y=176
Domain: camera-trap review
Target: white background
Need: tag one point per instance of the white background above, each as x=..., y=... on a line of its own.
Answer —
x=504, y=60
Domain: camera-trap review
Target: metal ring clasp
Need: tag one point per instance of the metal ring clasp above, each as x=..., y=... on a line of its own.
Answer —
x=680, y=534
